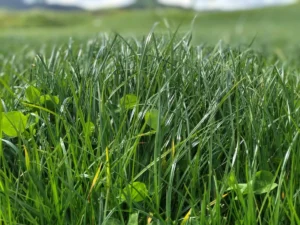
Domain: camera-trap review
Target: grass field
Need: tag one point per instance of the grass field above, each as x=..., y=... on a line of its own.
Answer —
x=273, y=27
x=150, y=127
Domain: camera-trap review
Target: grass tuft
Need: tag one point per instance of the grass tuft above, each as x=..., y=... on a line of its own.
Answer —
x=149, y=131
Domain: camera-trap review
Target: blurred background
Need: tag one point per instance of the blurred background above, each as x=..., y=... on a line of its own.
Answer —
x=271, y=24
x=102, y=4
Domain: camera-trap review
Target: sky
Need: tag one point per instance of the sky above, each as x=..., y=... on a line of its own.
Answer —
x=197, y=4
x=92, y=4
x=237, y=4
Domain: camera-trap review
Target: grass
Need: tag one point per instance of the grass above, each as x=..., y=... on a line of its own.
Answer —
x=153, y=130
x=235, y=28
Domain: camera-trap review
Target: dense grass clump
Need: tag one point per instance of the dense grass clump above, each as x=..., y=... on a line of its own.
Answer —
x=152, y=131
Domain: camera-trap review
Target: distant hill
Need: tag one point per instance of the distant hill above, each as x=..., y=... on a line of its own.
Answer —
x=13, y=4
x=20, y=5
x=140, y=4
x=55, y=7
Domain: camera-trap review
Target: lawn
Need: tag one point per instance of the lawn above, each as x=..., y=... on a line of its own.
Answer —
x=150, y=126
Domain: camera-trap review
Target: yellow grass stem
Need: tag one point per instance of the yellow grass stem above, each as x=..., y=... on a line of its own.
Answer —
x=27, y=160
x=94, y=182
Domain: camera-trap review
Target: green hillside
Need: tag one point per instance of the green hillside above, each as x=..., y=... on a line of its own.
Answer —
x=264, y=25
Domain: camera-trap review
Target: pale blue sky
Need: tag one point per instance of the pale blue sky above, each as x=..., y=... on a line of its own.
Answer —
x=93, y=3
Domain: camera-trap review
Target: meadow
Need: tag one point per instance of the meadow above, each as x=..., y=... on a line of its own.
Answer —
x=190, y=121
